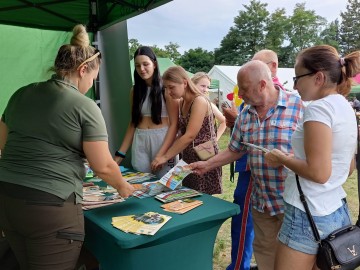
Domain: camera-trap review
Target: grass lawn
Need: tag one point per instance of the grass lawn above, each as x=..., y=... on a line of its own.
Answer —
x=222, y=249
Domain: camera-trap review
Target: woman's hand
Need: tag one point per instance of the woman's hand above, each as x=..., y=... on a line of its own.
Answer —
x=275, y=158
x=157, y=163
x=125, y=190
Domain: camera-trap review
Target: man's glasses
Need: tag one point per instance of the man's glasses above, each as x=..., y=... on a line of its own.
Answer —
x=296, y=78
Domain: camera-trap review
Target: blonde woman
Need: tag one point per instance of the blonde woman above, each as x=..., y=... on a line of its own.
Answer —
x=202, y=81
x=195, y=127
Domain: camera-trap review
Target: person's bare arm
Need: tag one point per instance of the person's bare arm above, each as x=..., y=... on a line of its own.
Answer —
x=172, y=106
x=220, y=118
x=103, y=165
x=230, y=114
x=222, y=158
x=198, y=112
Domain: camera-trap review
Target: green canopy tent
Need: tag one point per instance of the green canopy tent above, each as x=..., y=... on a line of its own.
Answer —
x=355, y=89
x=33, y=30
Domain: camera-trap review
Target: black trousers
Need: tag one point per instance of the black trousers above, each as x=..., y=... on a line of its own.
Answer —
x=43, y=231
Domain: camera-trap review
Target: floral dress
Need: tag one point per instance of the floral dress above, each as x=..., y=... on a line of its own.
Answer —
x=210, y=182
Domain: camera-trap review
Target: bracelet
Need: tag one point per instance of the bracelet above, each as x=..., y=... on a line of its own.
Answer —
x=120, y=154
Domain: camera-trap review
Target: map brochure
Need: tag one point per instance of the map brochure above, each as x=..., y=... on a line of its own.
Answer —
x=177, y=194
x=147, y=223
x=173, y=178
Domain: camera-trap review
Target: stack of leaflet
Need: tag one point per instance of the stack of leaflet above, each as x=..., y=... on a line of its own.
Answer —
x=148, y=223
x=94, y=197
x=181, y=206
x=177, y=194
x=137, y=177
x=150, y=189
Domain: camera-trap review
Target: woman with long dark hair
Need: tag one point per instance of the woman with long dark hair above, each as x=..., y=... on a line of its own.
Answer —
x=153, y=124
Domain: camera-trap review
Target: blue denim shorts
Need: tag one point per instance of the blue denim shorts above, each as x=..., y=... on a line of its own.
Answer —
x=296, y=231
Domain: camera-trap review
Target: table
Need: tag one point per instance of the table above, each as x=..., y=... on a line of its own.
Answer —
x=184, y=242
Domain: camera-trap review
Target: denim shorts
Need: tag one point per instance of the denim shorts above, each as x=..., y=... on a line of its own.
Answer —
x=296, y=231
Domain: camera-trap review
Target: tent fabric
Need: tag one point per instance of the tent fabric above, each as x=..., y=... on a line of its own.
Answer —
x=227, y=76
x=62, y=15
x=165, y=63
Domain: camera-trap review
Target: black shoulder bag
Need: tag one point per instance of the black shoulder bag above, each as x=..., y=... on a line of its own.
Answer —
x=341, y=249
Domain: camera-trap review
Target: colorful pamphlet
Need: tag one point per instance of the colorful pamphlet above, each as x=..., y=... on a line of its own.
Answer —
x=148, y=223
x=177, y=194
x=181, y=206
x=173, y=178
x=137, y=177
x=94, y=197
x=150, y=189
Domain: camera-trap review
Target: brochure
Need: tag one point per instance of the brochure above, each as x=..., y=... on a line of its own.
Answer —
x=148, y=223
x=263, y=149
x=173, y=178
x=181, y=206
x=94, y=197
x=137, y=177
x=177, y=194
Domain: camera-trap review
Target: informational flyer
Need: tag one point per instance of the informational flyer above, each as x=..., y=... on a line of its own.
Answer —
x=173, y=178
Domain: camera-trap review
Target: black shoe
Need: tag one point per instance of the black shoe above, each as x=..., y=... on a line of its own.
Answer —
x=253, y=266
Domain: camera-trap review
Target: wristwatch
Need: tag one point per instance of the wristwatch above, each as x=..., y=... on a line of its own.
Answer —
x=120, y=154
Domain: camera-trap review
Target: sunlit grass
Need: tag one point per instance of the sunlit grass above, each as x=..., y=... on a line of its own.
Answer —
x=222, y=248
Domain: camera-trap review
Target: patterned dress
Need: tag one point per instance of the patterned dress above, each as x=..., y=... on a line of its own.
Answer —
x=210, y=182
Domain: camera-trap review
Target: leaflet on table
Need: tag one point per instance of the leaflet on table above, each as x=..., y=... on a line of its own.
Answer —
x=181, y=206
x=173, y=178
x=177, y=194
x=137, y=177
x=150, y=189
x=94, y=197
x=148, y=223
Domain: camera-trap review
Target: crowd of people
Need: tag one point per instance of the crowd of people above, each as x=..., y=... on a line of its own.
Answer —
x=49, y=128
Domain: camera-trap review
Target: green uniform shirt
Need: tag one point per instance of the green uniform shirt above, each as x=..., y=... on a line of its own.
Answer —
x=47, y=124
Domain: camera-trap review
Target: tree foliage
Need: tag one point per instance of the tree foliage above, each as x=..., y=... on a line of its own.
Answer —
x=196, y=60
x=245, y=37
x=350, y=27
x=255, y=28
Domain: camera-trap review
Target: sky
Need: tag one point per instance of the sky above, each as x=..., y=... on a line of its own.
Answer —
x=204, y=23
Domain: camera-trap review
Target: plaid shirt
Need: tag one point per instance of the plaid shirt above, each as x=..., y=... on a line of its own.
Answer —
x=273, y=132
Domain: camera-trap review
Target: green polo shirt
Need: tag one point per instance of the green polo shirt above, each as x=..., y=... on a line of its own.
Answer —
x=47, y=124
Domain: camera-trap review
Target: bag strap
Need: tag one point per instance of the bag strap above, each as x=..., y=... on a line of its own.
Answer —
x=212, y=130
x=307, y=210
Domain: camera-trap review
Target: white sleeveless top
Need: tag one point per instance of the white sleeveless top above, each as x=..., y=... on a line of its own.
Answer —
x=146, y=106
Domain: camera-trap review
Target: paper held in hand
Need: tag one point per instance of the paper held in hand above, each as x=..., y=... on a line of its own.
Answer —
x=256, y=147
x=173, y=178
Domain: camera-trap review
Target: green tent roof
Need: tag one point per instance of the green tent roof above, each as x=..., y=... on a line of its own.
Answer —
x=165, y=63
x=64, y=14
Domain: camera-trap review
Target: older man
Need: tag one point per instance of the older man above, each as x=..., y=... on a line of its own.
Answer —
x=242, y=229
x=268, y=120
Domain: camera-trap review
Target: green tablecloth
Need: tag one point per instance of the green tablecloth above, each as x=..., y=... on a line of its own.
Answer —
x=184, y=242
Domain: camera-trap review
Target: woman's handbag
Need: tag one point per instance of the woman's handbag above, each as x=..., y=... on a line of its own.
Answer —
x=206, y=150
x=341, y=249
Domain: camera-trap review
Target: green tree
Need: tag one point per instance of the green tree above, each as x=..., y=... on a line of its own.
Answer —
x=304, y=30
x=246, y=37
x=350, y=27
x=159, y=52
x=196, y=60
x=133, y=45
x=331, y=35
x=172, y=50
